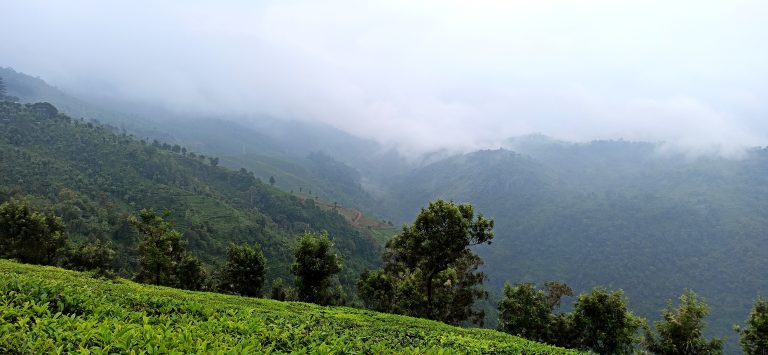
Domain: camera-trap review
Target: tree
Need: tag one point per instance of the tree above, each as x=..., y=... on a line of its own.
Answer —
x=524, y=312
x=30, y=236
x=244, y=272
x=163, y=259
x=604, y=323
x=2, y=89
x=376, y=289
x=431, y=270
x=555, y=291
x=214, y=161
x=530, y=313
x=680, y=332
x=281, y=293
x=190, y=273
x=94, y=255
x=314, y=265
x=272, y=180
x=754, y=337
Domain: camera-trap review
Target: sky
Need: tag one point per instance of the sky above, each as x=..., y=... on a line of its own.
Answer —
x=420, y=75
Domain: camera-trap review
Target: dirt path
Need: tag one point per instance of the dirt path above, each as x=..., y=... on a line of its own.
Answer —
x=358, y=215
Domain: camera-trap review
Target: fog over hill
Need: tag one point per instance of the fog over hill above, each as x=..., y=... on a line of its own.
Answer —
x=421, y=77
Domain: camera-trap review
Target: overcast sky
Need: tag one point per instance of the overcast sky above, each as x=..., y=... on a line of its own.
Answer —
x=420, y=74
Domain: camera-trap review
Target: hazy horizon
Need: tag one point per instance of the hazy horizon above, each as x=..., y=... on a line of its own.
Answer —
x=421, y=76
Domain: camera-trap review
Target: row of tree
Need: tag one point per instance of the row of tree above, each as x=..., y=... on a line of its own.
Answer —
x=601, y=322
x=429, y=271
x=164, y=260
x=37, y=237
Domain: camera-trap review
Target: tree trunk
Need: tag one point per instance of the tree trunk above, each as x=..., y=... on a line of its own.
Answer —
x=431, y=276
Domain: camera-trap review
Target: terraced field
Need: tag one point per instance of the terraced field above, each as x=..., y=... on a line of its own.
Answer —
x=51, y=310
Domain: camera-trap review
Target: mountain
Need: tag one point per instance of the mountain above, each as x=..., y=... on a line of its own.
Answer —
x=94, y=176
x=614, y=213
x=299, y=154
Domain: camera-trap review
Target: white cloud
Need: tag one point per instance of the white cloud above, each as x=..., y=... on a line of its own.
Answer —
x=421, y=74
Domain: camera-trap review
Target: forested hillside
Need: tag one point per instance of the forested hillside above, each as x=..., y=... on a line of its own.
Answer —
x=618, y=214
x=94, y=177
x=300, y=155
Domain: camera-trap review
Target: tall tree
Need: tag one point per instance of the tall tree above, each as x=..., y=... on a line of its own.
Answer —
x=30, y=236
x=530, y=313
x=244, y=272
x=681, y=330
x=190, y=273
x=94, y=255
x=754, y=337
x=431, y=270
x=163, y=258
x=272, y=180
x=604, y=323
x=524, y=312
x=315, y=263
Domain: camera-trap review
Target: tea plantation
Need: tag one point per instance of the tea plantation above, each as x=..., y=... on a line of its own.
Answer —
x=51, y=310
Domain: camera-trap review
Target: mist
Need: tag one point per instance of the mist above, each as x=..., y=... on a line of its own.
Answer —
x=420, y=75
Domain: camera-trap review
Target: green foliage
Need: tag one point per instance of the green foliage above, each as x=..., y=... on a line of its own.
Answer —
x=680, y=332
x=280, y=292
x=163, y=258
x=50, y=310
x=95, y=176
x=555, y=291
x=754, y=337
x=530, y=313
x=95, y=255
x=377, y=290
x=525, y=312
x=604, y=323
x=626, y=214
x=30, y=236
x=191, y=274
x=244, y=272
x=314, y=266
x=429, y=269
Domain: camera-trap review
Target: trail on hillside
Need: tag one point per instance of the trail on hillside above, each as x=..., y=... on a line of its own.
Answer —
x=358, y=215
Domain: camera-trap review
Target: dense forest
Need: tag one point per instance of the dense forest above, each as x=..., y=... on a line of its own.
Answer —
x=617, y=214
x=93, y=177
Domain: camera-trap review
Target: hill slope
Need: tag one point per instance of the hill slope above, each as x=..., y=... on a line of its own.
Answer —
x=93, y=177
x=616, y=214
x=267, y=146
x=47, y=309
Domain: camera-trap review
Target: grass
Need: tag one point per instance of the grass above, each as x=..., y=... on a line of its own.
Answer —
x=51, y=310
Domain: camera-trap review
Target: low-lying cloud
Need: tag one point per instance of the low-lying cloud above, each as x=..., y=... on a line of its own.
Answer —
x=420, y=75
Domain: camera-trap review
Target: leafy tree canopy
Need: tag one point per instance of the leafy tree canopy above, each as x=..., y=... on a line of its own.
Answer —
x=244, y=272
x=429, y=269
x=30, y=236
x=604, y=323
x=754, y=337
x=680, y=331
x=315, y=263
